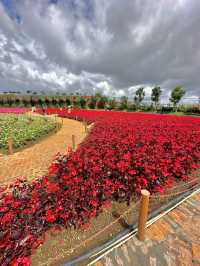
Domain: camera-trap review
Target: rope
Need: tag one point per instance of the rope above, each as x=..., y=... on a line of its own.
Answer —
x=83, y=243
x=122, y=215
x=104, y=229
x=173, y=194
x=186, y=183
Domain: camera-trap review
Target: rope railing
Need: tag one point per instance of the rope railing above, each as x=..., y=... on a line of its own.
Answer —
x=142, y=210
x=166, y=195
x=157, y=196
x=185, y=183
x=83, y=243
x=173, y=194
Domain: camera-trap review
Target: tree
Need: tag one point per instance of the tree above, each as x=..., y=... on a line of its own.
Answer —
x=47, y=102
x=176, y=95
x=10, y=100
x=32, y=101
x=101, y=101
x=132, y=107
x=25, y=101
x=139, y=96
x=92, y=102
x=61, y=101
x=67, y=101
x=82, y=102
x=111, y=104
x=155, y=95
x=123, y=103
x=74, y=100
x=97, y=96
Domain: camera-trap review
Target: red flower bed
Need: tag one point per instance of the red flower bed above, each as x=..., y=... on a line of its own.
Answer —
x=123, y=153
x=14, y=110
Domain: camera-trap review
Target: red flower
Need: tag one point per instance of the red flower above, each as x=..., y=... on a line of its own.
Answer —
x=16, y=204
x=93, y=203
x=132, y=172
x=124, y=153
x=53, y=169
x=21, y=261
x=49, y=216
x=52, y=187
x=7, y=218
x=106, y=204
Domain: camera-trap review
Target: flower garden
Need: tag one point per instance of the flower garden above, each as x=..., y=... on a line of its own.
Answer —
x=14, y=110
x=22, y=128
x=123, y=153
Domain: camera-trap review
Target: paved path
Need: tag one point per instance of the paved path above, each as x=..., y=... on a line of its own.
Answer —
x=34, y=160
x=174, y=240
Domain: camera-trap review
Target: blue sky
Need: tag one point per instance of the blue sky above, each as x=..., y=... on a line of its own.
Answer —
x=90, y=46
x=10, y=9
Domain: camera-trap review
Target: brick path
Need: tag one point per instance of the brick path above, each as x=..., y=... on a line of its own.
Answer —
x=173, y=240
x=34, y=160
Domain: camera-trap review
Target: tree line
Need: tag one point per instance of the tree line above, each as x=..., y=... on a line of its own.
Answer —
x=99, y=101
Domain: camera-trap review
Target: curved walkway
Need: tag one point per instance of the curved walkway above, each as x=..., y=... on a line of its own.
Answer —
x=35, y=160
x=173, y=240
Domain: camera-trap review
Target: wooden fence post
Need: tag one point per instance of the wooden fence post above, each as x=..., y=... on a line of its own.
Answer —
x=85, y=126
x=10, y=145
x=73, y=142
x=143, y=214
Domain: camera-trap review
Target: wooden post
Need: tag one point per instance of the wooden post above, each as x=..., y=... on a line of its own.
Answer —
x=85, y=126
x=73, y=142
x=143, y=213
x=10, y=145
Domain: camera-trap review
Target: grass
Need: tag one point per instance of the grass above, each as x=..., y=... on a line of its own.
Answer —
x=23, y=129
x=177, y=113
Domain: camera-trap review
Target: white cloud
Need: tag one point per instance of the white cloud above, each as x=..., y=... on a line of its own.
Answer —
x=108, y=46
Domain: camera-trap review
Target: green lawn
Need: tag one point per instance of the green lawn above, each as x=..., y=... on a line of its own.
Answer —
x=24, y=129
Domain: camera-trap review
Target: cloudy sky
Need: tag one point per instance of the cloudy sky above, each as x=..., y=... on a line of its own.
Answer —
x=111, y=46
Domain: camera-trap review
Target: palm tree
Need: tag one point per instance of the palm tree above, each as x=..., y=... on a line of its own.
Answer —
x=176, y=94
x=155, y=95
x=139, y=96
